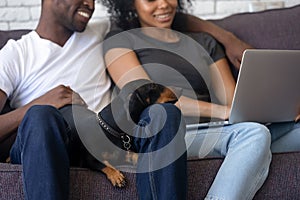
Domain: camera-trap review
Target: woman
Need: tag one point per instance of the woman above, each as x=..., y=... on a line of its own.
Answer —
x=156, y=52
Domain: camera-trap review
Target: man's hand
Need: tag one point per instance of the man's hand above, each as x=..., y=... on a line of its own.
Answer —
x=59, y=97
x=234, y=50
x=297, y=118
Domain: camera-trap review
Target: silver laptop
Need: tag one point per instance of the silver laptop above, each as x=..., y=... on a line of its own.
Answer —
x=267, y=89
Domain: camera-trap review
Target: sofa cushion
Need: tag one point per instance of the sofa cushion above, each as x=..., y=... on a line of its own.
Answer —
x=282, y=183
x=273, y=29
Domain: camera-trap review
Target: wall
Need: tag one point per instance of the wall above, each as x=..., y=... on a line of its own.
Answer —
x=18, y=14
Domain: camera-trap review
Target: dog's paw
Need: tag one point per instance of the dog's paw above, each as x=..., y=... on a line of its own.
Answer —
x=116, y=178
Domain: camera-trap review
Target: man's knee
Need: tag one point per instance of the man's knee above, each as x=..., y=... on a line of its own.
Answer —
x=41, y=118
x=41, y=113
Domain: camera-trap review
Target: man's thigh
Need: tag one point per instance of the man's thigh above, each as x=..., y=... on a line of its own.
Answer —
x=285, y=136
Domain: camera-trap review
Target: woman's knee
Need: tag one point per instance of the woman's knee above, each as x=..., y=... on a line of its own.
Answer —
x=258, y=132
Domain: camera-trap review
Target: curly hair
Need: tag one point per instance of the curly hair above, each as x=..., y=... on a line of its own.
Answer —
x=124, y=14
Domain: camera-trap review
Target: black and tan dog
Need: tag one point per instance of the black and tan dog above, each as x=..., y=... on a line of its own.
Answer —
x=125, y=109
x=128, y=106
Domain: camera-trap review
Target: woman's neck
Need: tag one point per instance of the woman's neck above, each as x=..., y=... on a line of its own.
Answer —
x=162, y=34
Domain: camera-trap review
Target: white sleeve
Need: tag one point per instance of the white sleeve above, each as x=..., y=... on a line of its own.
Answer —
x=9, y=67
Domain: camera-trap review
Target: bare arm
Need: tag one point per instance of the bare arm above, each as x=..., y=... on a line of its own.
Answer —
x=57, y=97
x=234, y=46
x=131, y=69
x=223, y=85
x=297, y=119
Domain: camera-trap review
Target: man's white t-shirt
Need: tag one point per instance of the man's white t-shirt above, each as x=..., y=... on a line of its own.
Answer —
x=32, y=66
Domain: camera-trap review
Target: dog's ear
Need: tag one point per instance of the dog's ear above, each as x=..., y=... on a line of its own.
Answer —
x=169, y=95
x=125, y=109
x=149, y=94
x=142, y=97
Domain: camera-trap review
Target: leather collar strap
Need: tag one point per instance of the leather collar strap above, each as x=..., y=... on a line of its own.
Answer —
x=125, y=138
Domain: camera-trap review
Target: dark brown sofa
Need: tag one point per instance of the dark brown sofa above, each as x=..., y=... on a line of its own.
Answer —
x=274, y=29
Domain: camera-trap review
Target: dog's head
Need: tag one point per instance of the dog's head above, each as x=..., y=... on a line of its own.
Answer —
x=148, y=94
x=123, y=113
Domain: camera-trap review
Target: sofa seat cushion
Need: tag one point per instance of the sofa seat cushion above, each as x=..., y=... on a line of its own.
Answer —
x=282, y=183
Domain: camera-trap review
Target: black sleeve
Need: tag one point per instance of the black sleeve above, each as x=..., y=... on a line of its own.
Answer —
x=116, y=39
x=210, y=44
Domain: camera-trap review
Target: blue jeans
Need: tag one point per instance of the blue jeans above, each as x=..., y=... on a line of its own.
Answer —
x=46, y=145
x=246, y=148
x=162, y=154
x=285, y=136
x=41, y=147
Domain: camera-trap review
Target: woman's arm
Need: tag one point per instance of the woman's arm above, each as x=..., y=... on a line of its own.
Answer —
x=233, y=45
x=223, y=82
x=124, y=66
x=223, y=85
x=195, y=108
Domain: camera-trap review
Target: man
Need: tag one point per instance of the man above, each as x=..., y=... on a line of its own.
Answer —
x=56, y=65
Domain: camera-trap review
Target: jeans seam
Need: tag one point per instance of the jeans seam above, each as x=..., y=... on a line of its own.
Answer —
x=258, y=180
x=259, y=174
x=24, y=182
x=213, y=197
x=151, y=178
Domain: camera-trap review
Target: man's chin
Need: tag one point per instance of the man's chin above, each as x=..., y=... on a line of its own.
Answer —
x=81, y=30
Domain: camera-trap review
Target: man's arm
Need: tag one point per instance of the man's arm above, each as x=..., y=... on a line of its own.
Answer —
x=234, y=46
x=57, y=97
x=297, y=119
x=9, y=121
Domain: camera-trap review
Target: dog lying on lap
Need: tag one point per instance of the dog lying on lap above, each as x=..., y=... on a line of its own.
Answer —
x=125, y=108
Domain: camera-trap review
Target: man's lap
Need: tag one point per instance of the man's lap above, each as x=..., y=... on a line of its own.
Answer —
x=285, y=136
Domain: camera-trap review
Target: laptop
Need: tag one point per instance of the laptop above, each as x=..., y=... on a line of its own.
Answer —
x=267, y=89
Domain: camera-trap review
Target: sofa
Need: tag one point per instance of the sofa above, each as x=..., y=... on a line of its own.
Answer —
x=272, y=29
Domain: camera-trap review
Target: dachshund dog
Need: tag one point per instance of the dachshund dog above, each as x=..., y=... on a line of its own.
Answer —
x=128, y=106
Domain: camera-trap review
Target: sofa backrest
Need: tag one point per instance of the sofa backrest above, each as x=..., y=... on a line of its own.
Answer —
x=272, y=29
x=13, y=34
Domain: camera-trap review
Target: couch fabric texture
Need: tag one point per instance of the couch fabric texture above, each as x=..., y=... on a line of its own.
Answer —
x=272, y=29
